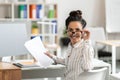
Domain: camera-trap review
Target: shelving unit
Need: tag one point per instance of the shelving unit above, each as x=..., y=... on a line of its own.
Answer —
x=47, y=29
x=6, y=11
x=38, y=13
x=11, y=11
x=48, y=34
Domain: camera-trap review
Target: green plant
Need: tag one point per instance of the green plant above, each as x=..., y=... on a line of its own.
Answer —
x=65, y=39
x=34, y=25
x=64, y=33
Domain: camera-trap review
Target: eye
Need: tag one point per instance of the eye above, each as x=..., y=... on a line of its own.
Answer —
x=70, y=30
x=78, y=30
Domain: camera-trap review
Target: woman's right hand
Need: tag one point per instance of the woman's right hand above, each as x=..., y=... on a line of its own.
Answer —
x=86, y=34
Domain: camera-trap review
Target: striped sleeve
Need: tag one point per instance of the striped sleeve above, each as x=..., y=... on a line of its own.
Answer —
x=88, y=55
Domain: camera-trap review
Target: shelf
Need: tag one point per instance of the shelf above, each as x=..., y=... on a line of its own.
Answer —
x=3, y=19
x=46, y=23
x=35, y=19
x=44, y=34
x=49, y=19
x=12, y=9
x=2, y=3
x=19, y=19
x=44, y=15
x=19, y=3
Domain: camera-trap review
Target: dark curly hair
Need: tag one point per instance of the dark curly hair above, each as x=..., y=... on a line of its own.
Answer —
x=75, y=16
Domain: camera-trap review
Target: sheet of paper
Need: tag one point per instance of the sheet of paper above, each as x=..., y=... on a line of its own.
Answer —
x=116, y=42
x=37, y=50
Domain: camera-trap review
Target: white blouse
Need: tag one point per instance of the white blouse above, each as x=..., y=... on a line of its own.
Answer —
x=78, y=59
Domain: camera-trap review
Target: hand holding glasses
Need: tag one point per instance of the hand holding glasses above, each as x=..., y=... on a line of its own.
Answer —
x=85, y=34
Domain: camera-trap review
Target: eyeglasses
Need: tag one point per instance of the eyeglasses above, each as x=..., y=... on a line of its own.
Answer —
x=74, y=30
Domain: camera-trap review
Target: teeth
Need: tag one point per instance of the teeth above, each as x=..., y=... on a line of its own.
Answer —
x=73, y=35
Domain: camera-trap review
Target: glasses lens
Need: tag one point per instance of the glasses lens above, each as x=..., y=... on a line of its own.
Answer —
x=74, y=30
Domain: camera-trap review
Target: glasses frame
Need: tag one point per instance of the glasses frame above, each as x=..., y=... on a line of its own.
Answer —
x=74, y=30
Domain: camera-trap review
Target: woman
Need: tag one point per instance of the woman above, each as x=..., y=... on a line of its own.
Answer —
x=80, y=53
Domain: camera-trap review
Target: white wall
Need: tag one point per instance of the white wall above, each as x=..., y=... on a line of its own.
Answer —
x=93, y=13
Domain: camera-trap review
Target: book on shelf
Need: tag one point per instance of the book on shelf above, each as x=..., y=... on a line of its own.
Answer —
x=36, y=11
x=22, y=11
x=32, y=11
x=39, y=12
x=55, y=8
x=54, y=27
x=51, y=12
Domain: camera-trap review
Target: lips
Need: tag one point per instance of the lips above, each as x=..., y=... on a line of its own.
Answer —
x=74, y=36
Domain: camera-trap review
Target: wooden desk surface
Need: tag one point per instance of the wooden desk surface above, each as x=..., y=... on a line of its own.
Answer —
x=110, y=42
x=7, y=66
x=9, y=72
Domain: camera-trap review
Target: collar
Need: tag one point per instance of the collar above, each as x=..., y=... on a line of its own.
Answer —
x=76, y=44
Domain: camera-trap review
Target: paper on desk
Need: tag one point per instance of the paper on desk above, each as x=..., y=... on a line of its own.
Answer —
x=37, y=50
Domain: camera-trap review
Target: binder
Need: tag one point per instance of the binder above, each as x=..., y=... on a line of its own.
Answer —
x=32, y=11
x=39, y=11
x=51, y=12
x=22, y=11
x=55, y=27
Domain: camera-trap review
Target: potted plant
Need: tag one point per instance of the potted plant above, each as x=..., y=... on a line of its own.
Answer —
x=35, y=29
x=64, y=40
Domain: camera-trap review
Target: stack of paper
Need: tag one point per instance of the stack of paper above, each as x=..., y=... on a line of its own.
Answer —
x=37, y=50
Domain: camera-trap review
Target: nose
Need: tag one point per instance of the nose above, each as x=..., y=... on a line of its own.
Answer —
x=73, y=32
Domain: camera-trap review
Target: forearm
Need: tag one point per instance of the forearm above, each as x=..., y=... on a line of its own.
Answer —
x=58, y=60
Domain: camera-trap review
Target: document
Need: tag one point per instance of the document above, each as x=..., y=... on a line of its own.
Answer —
x=37, y=50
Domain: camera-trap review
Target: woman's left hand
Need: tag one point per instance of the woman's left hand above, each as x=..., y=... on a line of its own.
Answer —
x=48, y=54
x=86, y=34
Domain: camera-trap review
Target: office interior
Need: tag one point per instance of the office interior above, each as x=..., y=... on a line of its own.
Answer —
x=102, y=17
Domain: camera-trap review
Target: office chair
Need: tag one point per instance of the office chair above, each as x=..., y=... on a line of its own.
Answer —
x=95, y=74
x=98, y=33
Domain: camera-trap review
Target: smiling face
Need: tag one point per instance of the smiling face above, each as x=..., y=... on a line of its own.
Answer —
x=74, y=31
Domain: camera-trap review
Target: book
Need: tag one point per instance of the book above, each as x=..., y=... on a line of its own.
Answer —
x=22, y=11
x=54, y=27
x=51, y=12
x=55, y=8
x=25, y=11
x=32, y=11
x=25, y=64
x=39, y=13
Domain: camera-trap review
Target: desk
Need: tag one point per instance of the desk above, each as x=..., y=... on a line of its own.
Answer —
x=115, y=76
x=55, y=71
x=52, y=71
x=9, y=72
x=114, y=44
